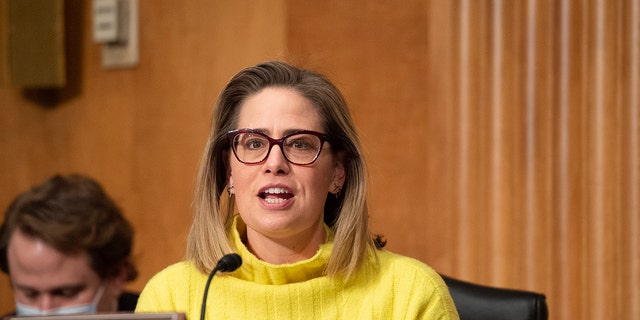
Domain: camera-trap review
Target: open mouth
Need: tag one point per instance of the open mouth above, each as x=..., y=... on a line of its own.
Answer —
x=275, y=195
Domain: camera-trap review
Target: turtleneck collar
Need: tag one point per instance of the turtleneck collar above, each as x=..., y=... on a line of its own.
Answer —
x=258, y=271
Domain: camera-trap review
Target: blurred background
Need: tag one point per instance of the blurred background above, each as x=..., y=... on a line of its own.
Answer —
x=502, y=136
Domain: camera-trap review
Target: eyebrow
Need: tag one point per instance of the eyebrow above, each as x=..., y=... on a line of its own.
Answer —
x=54, y=290
x=285, y=133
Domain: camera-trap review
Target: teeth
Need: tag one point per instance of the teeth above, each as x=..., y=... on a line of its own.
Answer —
x=275, y=195
x=276, y=191
x=274, y=200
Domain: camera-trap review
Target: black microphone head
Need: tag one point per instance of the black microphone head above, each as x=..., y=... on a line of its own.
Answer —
x=229, y=262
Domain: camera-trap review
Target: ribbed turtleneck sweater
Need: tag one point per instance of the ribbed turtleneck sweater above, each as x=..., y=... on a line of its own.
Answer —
x=397, y=287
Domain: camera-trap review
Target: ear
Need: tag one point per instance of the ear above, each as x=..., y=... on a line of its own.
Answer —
x=339, y=173
x=227, y=156
x=117, y=282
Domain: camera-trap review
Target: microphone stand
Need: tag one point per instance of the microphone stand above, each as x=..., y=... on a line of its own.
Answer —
x=229, y=262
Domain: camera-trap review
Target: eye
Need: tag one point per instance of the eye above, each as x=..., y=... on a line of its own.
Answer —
x=300, y=145
x=67, y=292
x=254, y=143
x=302, y=142
x=30, y=294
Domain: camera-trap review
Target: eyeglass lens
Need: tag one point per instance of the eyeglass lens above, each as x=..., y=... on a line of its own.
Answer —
x=301, y=148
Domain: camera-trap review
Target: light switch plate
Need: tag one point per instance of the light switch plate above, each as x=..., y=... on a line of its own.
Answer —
x=124, y=54
x=105, y=21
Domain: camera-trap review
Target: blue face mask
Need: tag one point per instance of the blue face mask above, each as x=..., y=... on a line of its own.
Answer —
x=89, y=308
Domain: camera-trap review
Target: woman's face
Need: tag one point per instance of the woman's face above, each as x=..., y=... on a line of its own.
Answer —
x=301, y=189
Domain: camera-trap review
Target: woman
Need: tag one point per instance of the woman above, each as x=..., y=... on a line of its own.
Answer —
x=284, y=147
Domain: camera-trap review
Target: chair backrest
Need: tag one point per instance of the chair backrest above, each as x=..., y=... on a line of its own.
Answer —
x=479, y=302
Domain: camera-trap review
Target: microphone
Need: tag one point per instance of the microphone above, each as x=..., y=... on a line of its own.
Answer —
x=228, y=262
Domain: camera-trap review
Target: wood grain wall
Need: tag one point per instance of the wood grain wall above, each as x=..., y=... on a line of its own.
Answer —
x=502, y=136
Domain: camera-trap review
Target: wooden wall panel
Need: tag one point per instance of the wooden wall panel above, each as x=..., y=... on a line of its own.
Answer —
x=527, y=176
x=503, y=137
x=140, y=131
x=630, y=99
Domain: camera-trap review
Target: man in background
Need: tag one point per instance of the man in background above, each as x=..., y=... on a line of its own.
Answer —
x=66, y=247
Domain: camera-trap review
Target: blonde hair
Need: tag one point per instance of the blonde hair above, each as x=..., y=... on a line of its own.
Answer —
x=346, y=214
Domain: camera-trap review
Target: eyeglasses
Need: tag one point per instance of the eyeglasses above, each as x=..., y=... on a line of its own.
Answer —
x=301, y=147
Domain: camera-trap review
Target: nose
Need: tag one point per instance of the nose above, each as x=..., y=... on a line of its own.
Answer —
x=276, y=162
x=46, y=302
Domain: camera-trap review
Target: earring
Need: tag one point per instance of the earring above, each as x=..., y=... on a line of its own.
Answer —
x=337, y=191
x=230, y=190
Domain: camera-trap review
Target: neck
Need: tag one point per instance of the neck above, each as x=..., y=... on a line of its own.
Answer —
x=286, y=250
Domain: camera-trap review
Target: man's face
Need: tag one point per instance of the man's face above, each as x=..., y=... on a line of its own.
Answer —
x=45, y=278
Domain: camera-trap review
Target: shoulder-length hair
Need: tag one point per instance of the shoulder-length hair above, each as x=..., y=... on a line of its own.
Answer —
x=346, y=214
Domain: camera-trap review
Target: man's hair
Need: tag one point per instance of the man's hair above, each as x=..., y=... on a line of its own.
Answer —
x=346, y=214
x=72, y=214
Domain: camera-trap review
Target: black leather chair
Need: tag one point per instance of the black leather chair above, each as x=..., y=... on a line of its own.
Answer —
x=128, y=301
x=479, y=302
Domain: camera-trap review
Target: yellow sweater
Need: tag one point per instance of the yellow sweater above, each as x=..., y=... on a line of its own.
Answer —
x=400, y=288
